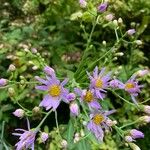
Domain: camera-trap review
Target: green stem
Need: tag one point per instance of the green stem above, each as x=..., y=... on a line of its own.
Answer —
x=38, y=127
x=145, y=101
x=129, y=124
x=56, y=119
x=116, y=33
x=86, y=49
x=123, y=98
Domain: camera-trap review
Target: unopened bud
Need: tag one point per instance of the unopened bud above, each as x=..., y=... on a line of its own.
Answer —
x=82, y=3
x=146, y=109
x=131, y=32
x=138, y=42
x=36, y=109
x=120, y=21
x=82, y=133
x=141, y=73
x=64, y=143
x=134, y=146
x=11, y=91
x=11, y=67
x=104, y=43
x=145, y=119
x=3, y=82
x=44, y=137
x=19, y=113
x=115, y=22
x=128, y=139
x=34, y=50
x=119, y=54
x=109, y=17
x=71, y=97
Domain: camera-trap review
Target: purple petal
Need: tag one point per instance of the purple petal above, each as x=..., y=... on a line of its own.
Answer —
x=42, y=87
x=64, y=82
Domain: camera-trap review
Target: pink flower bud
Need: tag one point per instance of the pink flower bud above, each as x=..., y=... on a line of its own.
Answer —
x=102, y=7
x=71, y=97
x=74, y=109
x=142, y=73
x=49, y=71
x=3, y=82
x=64, y=143
x=135, y=134
x=34, y=50
x=147, y=109
x=19, y=113
x=82, y=3
x=109, y=17
x=131, y=31
x=145, y=119
x=128, y=139
x=44, y=136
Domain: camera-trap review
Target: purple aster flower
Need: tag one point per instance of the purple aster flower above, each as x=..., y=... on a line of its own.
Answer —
x=98, y=123
x=74, y=109
x=55, y=91
x=135, y=134
x=131, y=31
x=26, y=138
x=3, y=82
x=19, y=113
x=99, y=82
x=44, y=137
x=102, y=7
x=132, y=87
x=88, y=97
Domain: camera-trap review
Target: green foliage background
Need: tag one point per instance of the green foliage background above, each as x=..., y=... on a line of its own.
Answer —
x=55, y=29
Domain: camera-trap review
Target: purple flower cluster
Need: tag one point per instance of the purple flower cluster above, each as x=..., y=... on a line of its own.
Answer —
x=55, y=92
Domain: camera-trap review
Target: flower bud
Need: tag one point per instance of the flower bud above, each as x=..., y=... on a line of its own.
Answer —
x=115, y=22
x=104, y=43
x=134, y=146
x=131, y=32
x=102, y=7
x=71, y=97
x=34, y=50
x=11, y=91
x=11, y=67
x=128, y=139
x=49, y=71
x=120, y=21
x=109, y=17
x=135, y=134
x=19, y=113
x=82, y=133
x=109, y=122
x=147, y=109
x=82, y=3
x=3, y=82
x=74, y=109
x=138, y=42
x=64, y=143
x=76, y=139
x=44, y=137
x=145, y=119
x=36, y=110
x=141, y=73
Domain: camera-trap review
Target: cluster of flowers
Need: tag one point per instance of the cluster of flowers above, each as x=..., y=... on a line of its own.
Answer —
x=90, y=98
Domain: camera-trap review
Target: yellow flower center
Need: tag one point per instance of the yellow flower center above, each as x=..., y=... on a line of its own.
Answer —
x=88, y=97
x=129, y=85
x=98, y=118
x=54, y=90
x=99, y=83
